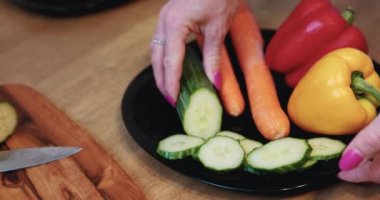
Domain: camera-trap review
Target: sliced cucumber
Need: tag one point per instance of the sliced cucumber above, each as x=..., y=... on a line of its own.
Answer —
x=198, y=106
x=179, y=146
x=279, y=156
x=231, y=134
x=324, y=148
x=8, y=120
x=308, y=164
x=248, y=145
x=221, y=153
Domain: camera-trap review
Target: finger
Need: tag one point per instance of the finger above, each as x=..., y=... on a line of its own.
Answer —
x=173, y=59
x=157, y=55
x=364, y=146
x=366, y=172
x=213, y=41
x=356, y=175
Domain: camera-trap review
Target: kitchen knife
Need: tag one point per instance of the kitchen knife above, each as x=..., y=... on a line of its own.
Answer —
x=28, y=157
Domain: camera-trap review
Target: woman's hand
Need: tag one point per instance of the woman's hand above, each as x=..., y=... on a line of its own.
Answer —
x=361, y=159
x=178, y=18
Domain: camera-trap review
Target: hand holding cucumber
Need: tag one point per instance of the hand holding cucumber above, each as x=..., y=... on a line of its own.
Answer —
x=178, y=18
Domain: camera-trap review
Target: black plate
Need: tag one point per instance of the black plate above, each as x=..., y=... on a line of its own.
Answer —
x=66, y=8
x=149, y=119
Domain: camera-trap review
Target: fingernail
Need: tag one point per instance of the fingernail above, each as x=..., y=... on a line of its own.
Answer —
x=350, y=159
x=170, y=100
x=217, y=80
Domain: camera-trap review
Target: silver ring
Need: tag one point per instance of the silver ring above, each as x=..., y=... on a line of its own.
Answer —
x=159, y=42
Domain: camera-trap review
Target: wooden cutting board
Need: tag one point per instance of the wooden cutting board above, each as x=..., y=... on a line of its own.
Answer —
x=89, y=174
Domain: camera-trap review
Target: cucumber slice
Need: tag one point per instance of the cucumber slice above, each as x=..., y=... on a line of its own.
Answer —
x=324, y=148
x=198, y=105
x=248, y=145
x=8, y=120
x=221, y=153
x=231, y=134
x=179, y=146
x=308, y=164
x=279, y=156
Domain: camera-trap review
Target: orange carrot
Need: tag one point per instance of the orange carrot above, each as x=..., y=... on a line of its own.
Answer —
x=269, y=117
x=229, y=92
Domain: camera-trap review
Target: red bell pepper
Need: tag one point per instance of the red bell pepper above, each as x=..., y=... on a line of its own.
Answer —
x=314, y=28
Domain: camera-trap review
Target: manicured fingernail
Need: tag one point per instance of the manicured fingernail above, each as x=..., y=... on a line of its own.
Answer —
x=350, y=159
x=170, y=100
x=217, y=80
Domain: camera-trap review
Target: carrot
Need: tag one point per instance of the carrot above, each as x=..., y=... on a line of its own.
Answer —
x=230, y=94
x=267, y=114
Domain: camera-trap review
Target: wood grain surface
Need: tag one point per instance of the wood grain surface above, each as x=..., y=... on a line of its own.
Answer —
x=84, y=64
x=89, y=174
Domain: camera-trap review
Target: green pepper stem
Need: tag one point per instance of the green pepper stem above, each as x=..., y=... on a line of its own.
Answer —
x=360, y=86
x=348, y=14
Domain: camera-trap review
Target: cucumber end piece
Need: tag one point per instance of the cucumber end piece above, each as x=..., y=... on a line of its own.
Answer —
x=8, y=120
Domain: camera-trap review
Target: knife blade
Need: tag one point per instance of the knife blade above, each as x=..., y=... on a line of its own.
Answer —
x=28, y=157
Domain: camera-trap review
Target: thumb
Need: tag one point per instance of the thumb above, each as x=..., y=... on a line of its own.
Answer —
x=364, y=146
x=357, y=175
x=366, y=172
x=213, y=41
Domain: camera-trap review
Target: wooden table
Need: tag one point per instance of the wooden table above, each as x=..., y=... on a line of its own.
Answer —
x=84, y=64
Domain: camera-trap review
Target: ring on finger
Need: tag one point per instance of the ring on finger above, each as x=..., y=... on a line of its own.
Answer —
x=158, y=42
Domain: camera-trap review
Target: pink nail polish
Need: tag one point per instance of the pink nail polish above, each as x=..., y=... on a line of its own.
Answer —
x=350, y=159
x=217, y=80
x=170, y=100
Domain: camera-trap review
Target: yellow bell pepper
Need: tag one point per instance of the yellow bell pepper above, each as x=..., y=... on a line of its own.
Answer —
x=338, y=95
